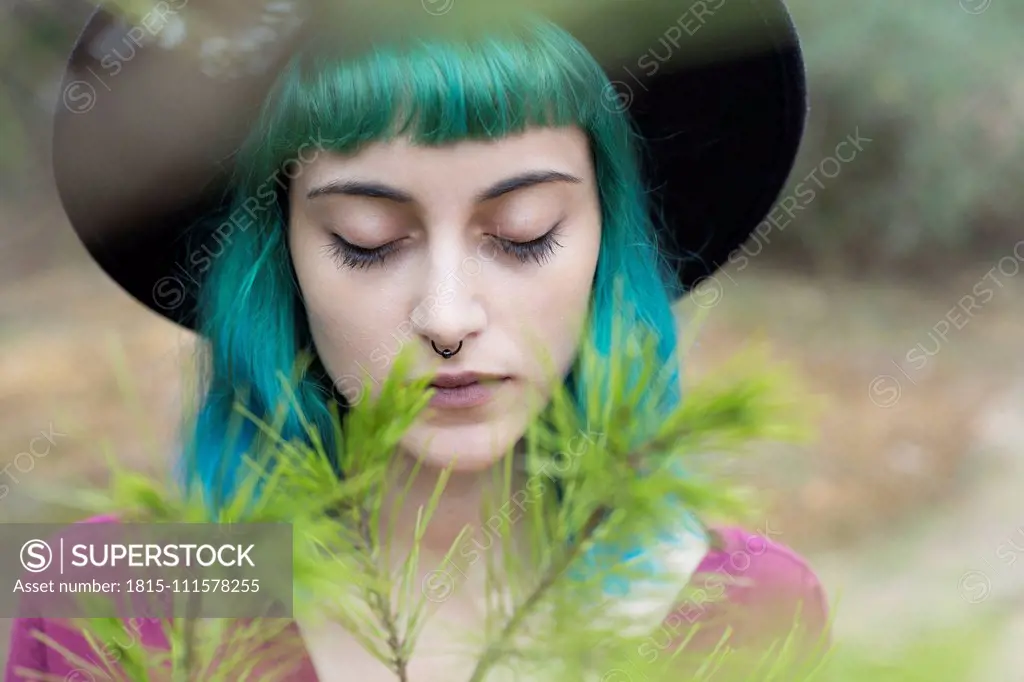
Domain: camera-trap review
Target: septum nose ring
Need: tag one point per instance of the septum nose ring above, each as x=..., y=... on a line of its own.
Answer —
x=446, y=353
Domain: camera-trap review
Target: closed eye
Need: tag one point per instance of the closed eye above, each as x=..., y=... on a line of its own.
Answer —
x=348, y=255
x=539, y=249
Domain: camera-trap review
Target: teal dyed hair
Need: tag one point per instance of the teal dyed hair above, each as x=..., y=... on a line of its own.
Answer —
x=436, y=92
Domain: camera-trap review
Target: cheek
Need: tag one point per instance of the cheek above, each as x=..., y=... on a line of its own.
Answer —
x=356, y=333
x=355, y=353
x=557, y=320
x=337, y=313
x=574, y=280
x=322, y=290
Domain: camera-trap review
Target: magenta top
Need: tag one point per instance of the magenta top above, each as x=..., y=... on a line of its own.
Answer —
x=764, y=584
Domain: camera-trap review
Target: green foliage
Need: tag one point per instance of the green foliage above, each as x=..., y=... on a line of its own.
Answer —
x=937, y=89
x=613, y=491
x=539, y=604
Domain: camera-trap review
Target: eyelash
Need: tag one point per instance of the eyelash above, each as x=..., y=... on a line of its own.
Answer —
x=355, y=257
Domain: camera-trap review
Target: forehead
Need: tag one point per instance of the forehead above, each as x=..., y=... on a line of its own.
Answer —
x=399, y=161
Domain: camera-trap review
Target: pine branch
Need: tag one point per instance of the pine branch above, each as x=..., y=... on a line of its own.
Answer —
x=499, y=648
x=614, y=489
x=380, y=605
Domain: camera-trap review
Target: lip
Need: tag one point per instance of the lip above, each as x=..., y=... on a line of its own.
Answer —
x=463, y=379
x=463, y=391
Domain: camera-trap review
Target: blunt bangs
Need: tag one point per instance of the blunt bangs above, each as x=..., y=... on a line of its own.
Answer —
x=431, y=92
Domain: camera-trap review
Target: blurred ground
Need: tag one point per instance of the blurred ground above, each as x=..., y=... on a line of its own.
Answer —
x=908, y=503
x=895, y=437
x=912, y=482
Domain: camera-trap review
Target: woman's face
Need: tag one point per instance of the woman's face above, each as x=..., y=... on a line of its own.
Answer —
x=491, y=244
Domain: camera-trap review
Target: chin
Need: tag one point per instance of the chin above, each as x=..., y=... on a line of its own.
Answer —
x=472, y=447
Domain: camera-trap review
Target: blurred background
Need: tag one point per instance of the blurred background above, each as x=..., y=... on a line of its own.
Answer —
x=889, y=279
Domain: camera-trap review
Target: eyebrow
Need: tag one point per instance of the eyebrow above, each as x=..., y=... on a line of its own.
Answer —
x=524, y=180
x=378, y=190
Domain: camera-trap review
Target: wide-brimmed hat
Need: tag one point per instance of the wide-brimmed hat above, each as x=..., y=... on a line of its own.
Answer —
x=154, y=107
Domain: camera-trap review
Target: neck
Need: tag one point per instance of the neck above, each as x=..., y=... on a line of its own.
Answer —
x=461, y=504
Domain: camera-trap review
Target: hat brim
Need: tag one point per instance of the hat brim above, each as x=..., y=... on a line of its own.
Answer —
x=144, y=136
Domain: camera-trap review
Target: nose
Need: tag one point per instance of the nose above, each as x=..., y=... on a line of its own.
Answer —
x=452, y=312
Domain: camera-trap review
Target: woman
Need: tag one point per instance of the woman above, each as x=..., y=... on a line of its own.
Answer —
x=466, y=184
